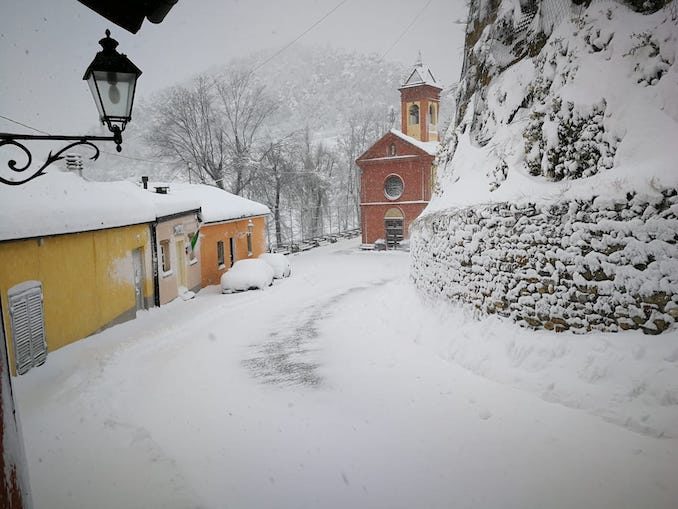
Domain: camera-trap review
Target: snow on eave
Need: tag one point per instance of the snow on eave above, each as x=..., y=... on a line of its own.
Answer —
x=430, y=147
x=168, y=206
x=60, y=202
x=216, y=204
x=233, y=219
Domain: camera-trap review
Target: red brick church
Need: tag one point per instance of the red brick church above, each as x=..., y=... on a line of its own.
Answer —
x=397, y=172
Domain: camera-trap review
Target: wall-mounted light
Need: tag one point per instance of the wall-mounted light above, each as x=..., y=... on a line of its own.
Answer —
x=112, y=78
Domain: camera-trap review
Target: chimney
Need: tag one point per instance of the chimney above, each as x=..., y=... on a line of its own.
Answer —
x=74, y=163
x=144, y=181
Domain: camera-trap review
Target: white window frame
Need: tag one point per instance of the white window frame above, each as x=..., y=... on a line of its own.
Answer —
x=165, y=254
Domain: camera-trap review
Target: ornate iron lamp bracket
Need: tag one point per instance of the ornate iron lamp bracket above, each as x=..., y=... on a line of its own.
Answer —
x=26, y=173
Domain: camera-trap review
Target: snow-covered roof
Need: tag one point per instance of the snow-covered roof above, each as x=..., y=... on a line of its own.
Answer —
x=420, y=75
x=217, y=204
x=170, y=204
x=430, y=147
x=61, y=202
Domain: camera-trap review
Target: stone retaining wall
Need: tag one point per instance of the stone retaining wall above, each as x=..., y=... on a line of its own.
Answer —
x=580, y=265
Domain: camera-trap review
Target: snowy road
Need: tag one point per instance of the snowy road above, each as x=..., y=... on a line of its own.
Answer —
x=323, y=391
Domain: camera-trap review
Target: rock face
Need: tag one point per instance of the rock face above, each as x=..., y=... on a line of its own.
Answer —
x=578, y=265
x=558, y=198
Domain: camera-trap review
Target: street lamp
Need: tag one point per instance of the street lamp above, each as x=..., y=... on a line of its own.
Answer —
x=112, y=79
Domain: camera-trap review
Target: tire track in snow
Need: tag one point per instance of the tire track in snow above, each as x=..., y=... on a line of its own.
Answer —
x=286, y=357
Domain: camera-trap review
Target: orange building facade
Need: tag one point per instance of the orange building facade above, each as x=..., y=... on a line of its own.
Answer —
x=225, y=242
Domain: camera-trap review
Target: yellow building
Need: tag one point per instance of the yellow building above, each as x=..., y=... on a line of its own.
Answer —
x=75, y=258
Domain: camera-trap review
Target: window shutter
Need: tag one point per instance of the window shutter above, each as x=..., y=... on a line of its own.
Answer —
x=38, y=343
x=28, y=329
x=21, y=333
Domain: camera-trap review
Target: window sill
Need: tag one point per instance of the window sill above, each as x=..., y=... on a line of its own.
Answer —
x=168, y=273
x=193, y=262
x=221, y=267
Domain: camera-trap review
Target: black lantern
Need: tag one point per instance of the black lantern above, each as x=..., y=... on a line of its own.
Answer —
x=112, y=79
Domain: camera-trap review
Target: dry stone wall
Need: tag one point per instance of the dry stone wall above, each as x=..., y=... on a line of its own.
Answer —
x=578, y=265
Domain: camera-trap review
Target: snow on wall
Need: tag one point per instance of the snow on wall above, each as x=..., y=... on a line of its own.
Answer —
x=557, y=188
x=579, y=265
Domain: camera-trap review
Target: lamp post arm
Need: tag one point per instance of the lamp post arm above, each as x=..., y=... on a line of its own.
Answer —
x=12, y=136
x=26, y=173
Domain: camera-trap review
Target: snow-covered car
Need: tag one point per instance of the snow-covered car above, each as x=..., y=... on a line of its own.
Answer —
x=279, y=263
x=247, y=275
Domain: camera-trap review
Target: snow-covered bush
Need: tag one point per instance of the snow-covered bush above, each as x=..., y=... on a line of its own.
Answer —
x=247, y=275
x=651, y=59
x=568, y=141
x=647, y=6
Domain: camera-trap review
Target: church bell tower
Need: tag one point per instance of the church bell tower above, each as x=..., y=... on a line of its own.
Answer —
x=420, y=103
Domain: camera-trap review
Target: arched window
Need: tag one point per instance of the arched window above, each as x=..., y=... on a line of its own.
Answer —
x=432, y=117
x=393, y=187
x=392, y=150
x=414, y=114
x=393, y=214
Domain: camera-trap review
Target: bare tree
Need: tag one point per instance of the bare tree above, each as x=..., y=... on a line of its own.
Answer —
x=275, y=175
x=246, y=107
x=187, y=128
x=361, y=130
x=212, y=127
x=315, y=179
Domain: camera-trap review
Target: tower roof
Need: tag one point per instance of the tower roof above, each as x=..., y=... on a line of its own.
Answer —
x=420, y=75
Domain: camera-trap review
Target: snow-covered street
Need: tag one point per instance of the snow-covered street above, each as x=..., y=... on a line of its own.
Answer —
x=341, y=387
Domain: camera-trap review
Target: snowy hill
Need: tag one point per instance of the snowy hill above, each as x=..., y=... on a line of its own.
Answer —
x=557, y=184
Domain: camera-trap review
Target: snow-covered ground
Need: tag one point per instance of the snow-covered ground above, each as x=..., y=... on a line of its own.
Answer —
x=341, y=387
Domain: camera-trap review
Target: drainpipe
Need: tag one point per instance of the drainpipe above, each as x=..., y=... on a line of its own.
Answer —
x=154, y=258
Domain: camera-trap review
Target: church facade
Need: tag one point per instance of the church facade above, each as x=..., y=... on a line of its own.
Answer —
x=398, y=171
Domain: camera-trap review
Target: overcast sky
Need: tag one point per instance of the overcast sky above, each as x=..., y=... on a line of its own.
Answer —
x=46, y=45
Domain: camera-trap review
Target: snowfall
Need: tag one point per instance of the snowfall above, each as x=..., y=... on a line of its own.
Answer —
x=342, y=387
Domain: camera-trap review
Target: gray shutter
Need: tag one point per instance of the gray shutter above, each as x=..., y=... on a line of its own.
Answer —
x=28, y=329
x=35, y=312
x=21, y=334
